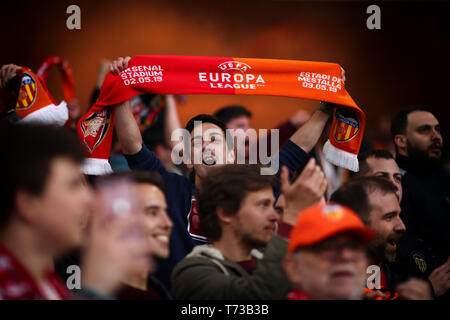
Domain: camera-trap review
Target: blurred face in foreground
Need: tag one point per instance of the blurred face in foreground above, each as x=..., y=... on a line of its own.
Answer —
x=334, y=269
x=60, y=211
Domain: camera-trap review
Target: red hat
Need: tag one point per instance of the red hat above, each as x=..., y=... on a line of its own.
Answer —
x=323, y=221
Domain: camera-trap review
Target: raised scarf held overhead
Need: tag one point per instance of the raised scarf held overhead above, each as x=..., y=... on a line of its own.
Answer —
x=212, y=75
x=68, y=84
x=36, y=104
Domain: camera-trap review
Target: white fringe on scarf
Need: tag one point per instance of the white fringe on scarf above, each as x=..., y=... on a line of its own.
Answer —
x=340, y=157
x=96, y=166
x=50, y=114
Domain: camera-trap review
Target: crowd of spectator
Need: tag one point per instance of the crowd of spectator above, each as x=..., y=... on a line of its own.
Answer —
x=217, y=230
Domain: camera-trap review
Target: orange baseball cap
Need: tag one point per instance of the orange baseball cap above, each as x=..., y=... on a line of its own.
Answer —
x=323, y=221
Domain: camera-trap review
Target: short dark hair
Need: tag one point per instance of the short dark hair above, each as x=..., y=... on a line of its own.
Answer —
x=205, y=118
x=400, y=120
x=226, y=187
x=355, y=194
x=374, y=153
x=27, y=153
x=138, y=176
x=153, y=138
x=228, y=113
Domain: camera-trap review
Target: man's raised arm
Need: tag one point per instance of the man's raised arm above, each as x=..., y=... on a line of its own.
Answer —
x=307, y=135
x=127, y=128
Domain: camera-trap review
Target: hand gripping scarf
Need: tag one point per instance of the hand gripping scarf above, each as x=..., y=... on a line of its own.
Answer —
x=235, y=76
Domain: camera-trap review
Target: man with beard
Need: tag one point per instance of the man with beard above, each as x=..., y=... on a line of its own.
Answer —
x=425, y=249
x=376, y=202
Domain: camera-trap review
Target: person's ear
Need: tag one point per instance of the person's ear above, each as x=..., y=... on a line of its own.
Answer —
x=400, y=140
x=27, y=205
x=291, y=269
x=223, y=217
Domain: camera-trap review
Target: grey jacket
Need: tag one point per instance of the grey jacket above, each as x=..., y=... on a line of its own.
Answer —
x=206, y=274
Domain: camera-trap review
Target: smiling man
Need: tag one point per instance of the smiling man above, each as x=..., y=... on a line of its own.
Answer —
x=148, y=188
x=426, y=195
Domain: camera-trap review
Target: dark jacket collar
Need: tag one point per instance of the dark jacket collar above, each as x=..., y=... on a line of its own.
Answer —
x=419, y=168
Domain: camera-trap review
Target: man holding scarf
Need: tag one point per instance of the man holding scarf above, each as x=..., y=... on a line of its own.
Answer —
x=180, y=191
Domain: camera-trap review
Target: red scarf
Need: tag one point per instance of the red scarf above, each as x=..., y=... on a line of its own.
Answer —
x=212, y=75
x=16, y=283
x=298, y=295
x=68, y=84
